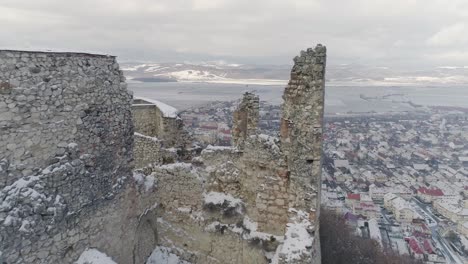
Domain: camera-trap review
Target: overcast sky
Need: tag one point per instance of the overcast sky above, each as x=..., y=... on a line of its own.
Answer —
x=405, y=33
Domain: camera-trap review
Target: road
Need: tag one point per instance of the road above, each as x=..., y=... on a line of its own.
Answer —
x=384, y=231
x=442, y=243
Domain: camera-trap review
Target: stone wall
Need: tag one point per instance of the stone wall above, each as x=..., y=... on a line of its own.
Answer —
x=256, y=202
x=164, y=125
x=71, y=186
x=66, y=150
x=147, y=119
x=149, y=150
x=301, y=131
x=245, y=119
x=49, y=100
x=160, y=136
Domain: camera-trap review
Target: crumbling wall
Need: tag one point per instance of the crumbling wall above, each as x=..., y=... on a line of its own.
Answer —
x=162, y=124
x=160, y=136
x=66, y=151
x=256, y=175
x=147, y=119
x=245, y=119
x=301, y=132
x=72, y=188
x=301, y=125
x=149, y=150
x=189, y=223
x=255, y=202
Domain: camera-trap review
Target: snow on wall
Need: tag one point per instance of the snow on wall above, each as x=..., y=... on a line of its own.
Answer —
x=298, y=240
x=94, y=256
x=163, y=255
x=218, y=198
x=166, y=110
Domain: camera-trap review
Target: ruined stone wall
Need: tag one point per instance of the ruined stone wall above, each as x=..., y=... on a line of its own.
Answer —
x=301, y=125
x=301, y=132
x=147, y=119
x=256, y=202
x=252, y=203
x=190, y=226
x=245, y=119
x=66, y=150
x=150, y=121
x=256, y=174
x=149, y=150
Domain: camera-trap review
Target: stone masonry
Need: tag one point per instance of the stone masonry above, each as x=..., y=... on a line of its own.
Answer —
x=301, y=132
x=68, y=148
x=255, y=202
x=245, y=119
x=65, y=149
x=159, y=134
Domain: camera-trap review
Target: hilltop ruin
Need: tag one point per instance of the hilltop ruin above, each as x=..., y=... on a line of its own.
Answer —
x=83, y=166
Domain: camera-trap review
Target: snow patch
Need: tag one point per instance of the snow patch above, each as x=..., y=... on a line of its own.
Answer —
x=298, y=241
x=163, y=255
x=177, y=165
x=218, y=198
x=94, y=256
x=211, y=148
x=271, y=142
x=192, y=75
x=155, y=139
x=166, y=110
x=147, y=181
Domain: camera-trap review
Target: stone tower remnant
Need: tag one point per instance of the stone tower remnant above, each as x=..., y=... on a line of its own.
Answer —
x=301, y=131
x=301, y=126
x=245, y=119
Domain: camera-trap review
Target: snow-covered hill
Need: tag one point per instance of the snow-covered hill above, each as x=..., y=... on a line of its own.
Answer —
x=221, y=72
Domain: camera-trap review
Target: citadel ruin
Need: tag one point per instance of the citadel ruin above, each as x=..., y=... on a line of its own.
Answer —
x=84, y=165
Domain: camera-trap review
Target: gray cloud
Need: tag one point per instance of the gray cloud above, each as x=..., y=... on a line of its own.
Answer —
x=404, y=33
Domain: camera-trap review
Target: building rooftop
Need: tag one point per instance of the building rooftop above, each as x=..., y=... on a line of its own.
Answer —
x=431, y=192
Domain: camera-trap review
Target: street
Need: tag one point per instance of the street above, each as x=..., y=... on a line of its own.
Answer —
x=442, y=243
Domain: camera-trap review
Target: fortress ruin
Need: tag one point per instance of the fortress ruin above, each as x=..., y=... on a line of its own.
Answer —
x=84, y=165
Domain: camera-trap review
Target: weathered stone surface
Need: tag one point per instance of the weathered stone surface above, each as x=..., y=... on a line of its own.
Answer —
x=65, y=148
x=301, y=132
x=245, y=119
x=66, y=154
x=267, y=188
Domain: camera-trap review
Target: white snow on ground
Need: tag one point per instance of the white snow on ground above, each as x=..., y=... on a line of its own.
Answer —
x=464, y=241
x=192, y=75
x=218, y=198
x=177, y=165
x=155, y=139
x=270, y=141
x=248, y=230
x=211, y=148
x=163, y=255
x=252, y=227
x=94, y=256
x=375, y=231
x=297, y=241
x=133, y=68
x=147, y=181
x=166, y=110
x=250, y=81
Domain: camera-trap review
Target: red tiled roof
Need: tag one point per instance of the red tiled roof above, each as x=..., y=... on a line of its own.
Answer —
x=428, y=246
x=354, y=196
x=415, y=246
x=431, y=192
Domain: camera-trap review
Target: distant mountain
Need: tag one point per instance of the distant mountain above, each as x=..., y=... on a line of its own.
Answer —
x=349, y=74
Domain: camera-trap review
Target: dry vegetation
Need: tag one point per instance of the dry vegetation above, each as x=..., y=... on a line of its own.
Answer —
x=341, y=246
